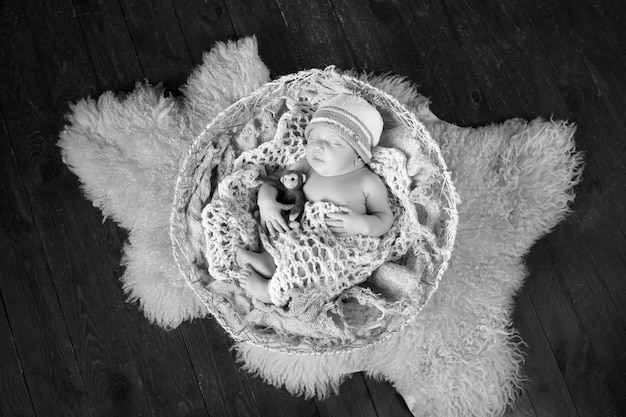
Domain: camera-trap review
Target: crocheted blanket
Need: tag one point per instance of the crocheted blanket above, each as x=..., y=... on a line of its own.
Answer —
x=313, y=265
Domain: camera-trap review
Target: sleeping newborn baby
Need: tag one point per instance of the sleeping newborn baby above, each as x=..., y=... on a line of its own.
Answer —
x=339, y=142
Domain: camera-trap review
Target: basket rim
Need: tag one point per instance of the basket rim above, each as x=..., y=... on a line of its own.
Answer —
x=417, y=130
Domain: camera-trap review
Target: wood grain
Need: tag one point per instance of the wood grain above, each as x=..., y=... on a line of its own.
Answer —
x=580, y=69
x=117, y=350
x=71, y=345
x=49, y=369
x=270, y=29
x=315, y=35
x=162, y=50
x=570, y=344
x=109, y=44
x=202, y=24
x=226, y=390
x=545, y=387
x=19, y=343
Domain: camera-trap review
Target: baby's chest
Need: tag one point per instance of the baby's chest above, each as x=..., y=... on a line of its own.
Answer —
x=341, y=192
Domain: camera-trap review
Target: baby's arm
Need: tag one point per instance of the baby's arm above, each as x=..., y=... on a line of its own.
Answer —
x=378, y=219
x=270, y=210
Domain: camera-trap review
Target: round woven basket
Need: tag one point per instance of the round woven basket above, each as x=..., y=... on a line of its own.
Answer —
x=210, y=158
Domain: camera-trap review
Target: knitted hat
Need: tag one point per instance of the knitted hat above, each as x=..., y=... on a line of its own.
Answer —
x=356, y=120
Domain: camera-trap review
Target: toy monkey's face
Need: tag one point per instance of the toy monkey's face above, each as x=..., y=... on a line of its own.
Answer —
x=291, y=180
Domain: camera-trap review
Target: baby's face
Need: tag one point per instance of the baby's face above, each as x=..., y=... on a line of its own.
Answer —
x=328, y=154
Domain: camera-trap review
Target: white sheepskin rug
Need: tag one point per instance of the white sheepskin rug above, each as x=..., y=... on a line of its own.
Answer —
x=461, y=356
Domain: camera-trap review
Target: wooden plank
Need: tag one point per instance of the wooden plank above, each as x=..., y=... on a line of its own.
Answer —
x=545, y=389
x=226, y=390
x=592, y=104
x=269, y=404
x=498, y=36
x=353, y=400
x=393, y=45
x=58, y=51
x=215, y=386
x=386, y=399
x=580, y=263
x=263, y=19
x=576, y=358
x=279, y=402
x=131, y=366
x=389, y=50
x=465, y=50
x=31, y=122
x=47, y=360
x=15, y=398
x=601, y=37
x=159, y=41
x=293, y=35
x=314, y=35
x=594, y=266
x=522, y=407
x=109, y=43
x=513, y=81
x=229, y=390
x=202, y=24
x=432, y=32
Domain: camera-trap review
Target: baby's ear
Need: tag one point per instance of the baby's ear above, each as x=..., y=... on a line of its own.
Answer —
x=303, y=177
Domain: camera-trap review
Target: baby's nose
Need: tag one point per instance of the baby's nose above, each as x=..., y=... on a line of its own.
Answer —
x=320, y=145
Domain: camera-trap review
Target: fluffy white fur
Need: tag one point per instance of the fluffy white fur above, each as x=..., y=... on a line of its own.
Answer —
x=126, y=153
x=461, y=356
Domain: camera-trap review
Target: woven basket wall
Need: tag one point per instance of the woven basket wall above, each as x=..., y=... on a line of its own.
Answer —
x=210, y=158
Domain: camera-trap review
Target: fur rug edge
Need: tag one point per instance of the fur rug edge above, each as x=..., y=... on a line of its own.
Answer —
x=125, y=150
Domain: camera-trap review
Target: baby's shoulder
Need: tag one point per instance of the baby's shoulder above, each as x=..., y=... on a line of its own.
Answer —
x=371, y=182
x=371, y=178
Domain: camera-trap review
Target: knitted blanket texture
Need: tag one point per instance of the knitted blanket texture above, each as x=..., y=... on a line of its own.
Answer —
x=460, y=356
x=313, y=265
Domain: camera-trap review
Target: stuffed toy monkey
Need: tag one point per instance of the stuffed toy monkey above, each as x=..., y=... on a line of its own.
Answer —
x=289, y=188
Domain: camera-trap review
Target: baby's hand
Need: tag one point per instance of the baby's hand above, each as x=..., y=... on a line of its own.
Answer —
x=271, y=216
x=347, y=223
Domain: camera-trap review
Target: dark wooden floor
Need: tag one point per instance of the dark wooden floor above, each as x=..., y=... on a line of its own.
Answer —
x=71, y=346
